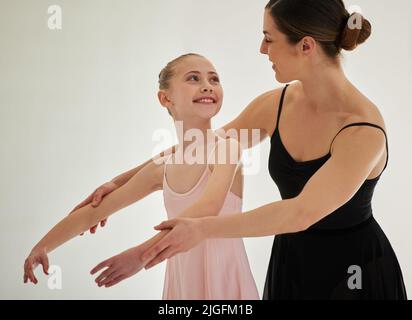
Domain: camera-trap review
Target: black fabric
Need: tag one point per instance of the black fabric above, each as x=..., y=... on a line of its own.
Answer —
x=315, y=263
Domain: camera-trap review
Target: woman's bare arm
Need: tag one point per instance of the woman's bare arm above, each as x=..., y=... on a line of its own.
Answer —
x=258, y=115
x=355, y=154
x=256, y=122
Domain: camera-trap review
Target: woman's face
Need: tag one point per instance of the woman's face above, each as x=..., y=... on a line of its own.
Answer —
x=286, y=59
x=195, y=90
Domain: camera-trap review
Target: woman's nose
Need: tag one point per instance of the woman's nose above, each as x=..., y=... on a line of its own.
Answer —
x=263, y=48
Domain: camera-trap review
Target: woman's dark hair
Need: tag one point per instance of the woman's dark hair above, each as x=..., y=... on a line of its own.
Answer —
x=327, y=21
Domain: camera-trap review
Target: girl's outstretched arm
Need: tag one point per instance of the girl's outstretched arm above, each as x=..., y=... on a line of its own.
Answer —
x=125, y=264
x=148, y=180
x=129, y=262
x=97, y=195
x=257, y=119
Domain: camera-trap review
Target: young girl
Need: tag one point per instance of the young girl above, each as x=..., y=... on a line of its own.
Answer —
x=210, y=185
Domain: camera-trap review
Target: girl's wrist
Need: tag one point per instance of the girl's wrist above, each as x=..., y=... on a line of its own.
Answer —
x=206, y=226
x=38, y=248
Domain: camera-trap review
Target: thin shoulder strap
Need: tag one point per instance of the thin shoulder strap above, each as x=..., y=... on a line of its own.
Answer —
x=165, y=163
x=281, y=104
x=366, y=124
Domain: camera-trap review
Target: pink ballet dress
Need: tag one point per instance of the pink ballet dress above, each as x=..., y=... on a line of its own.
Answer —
x=216, y=269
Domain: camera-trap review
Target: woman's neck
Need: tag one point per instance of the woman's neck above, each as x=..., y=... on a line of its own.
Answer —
x=328, y=90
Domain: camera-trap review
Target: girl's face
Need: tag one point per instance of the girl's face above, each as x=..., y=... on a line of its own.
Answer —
x=195, y=90
x=288, y=61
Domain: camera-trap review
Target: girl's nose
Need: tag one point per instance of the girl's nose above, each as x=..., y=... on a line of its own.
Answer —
x=207, y=90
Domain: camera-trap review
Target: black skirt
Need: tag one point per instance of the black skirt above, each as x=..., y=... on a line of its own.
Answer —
x=354, y=263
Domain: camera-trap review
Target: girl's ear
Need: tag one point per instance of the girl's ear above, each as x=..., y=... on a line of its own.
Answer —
x=164, y=99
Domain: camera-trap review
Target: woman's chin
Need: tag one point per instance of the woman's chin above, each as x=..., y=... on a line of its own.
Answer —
x=281, y=79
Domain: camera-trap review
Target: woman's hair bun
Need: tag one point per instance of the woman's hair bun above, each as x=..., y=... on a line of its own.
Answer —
x=356, y=30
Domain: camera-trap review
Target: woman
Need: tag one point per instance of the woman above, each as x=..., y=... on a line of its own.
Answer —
x=328, y=151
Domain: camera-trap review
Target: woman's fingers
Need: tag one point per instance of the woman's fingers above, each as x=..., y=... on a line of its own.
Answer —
x=93, y=229
x=98, y=195
x=169, y=224
x=101, y=265
x=166, y=254
x=83, y=203
x=102, y=224
x=157, y=248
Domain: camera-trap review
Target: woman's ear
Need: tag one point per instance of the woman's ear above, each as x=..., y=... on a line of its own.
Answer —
x=307, y=45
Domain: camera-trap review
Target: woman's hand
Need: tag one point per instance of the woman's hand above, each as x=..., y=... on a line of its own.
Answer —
x=120, y=267
x=95, y=199
x=185, y=234
x=36, y=257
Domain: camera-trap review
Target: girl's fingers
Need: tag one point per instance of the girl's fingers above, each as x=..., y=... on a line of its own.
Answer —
x=93, y=229
x=104, y=274
x=32, y=276
x=107, y=275
x=103, y=223
x=115, y=281
x=101, y=265
x=45, y=263
x=27, y=267
x=109, y=278
x=25, y=272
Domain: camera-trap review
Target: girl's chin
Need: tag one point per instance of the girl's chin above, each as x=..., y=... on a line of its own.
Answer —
x=207, y=111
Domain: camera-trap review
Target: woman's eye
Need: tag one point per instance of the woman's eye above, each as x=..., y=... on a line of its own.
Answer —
x=215, y=79
x=267, y=41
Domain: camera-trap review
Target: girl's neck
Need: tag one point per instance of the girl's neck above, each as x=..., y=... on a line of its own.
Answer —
x=194, y=133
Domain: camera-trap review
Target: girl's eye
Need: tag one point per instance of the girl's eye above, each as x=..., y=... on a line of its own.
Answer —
x=196, y=78
x=215, y=79
x=267, y=41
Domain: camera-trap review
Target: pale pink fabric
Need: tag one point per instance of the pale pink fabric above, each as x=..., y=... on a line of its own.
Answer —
x=216, y=269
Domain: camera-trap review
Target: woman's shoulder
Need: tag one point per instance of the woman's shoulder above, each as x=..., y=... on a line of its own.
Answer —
x=366, y=111
x=264, y=108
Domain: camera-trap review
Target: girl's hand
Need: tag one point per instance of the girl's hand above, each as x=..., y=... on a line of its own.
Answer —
x=95, y=199
x=36, y=257
x=120, y=267
x=186, y=233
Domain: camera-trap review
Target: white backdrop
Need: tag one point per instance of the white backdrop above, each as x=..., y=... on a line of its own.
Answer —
x=78, y=107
